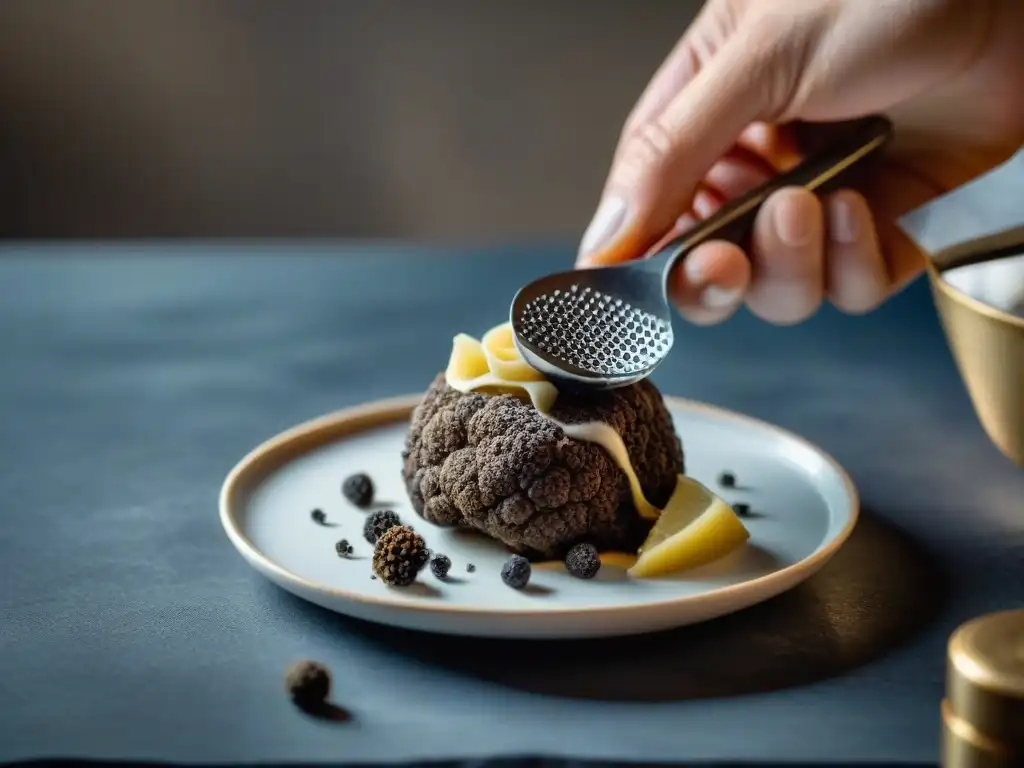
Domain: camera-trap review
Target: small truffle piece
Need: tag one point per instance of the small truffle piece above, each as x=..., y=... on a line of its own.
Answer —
x=741, y=508
x=377, y=523
x=470, y=568
x=308, y=683
x=318, y=516
x=358, y=489
x=399, y=556
x=440, y=565
x=727, y=479
x=343, y=548
x=583, y=561
x=516, y=572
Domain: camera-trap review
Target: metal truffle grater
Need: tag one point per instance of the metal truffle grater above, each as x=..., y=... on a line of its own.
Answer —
x=612, y=326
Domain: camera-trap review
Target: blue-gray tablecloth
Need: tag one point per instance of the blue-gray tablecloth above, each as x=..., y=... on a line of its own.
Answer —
x=133, y=377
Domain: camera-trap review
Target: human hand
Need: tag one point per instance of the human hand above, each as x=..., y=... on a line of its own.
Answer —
x=728, y=110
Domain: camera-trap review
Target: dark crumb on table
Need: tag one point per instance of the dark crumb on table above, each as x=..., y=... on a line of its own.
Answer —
x=343, y=548
x=308, y=683
x=399, y=556
x=318, y=517
x=741, y=508
x=727, y=479
x=378, y=522
x=470, y=568
x=583, y=561
x=373, y=577
x=440, y=565
x=516, y=572
x=358, y=489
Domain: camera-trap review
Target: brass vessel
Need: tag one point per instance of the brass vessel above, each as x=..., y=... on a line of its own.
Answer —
x=988, y=347
x=983, y=712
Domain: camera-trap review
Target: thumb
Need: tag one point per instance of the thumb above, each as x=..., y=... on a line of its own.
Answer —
x=662, y=158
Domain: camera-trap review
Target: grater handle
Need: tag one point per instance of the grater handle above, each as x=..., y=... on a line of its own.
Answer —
x=824, y=171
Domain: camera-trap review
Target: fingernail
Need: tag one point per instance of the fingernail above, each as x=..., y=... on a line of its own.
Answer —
x=695, y=269
x=843, y=224
x=716, y=297
x=608, y=220
x=791, y=228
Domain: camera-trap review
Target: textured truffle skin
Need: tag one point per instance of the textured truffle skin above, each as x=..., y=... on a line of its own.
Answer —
x=583, y=561
x=399, y=556
x=492, y=463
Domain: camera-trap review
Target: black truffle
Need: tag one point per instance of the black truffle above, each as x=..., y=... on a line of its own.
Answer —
x=308, y=683
x=727, y=480
x=583, y=561
x=470, y=568
x=742, y=509
x=377, y=523
x=440, y=565
x=318, y=516
x=343, y=548
x=516, y=572
x=358, y=489
x=399, y=556
x=492, y=463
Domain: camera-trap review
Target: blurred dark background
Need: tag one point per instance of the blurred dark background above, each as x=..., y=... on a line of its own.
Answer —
x=443, y=120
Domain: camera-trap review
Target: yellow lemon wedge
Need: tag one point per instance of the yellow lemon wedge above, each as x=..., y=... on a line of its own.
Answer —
x=695, y=528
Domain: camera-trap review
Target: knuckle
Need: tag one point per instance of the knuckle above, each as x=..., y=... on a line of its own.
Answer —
x=646, y=147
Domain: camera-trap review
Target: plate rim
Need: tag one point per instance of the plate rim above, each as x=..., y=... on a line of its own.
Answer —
x=321, y=430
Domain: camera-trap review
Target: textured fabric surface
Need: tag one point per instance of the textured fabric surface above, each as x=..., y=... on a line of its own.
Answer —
x=134, y=378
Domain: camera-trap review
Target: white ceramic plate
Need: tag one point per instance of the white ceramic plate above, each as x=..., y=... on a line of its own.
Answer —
x=803, y=507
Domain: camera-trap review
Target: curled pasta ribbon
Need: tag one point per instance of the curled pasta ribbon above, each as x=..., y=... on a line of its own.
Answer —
x=494, y=365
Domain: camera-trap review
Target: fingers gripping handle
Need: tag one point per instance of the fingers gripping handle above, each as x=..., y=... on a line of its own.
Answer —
x=823, y=172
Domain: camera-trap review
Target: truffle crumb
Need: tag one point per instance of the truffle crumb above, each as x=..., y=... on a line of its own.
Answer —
x=399, y=556
x=583, y=561
x=727, y=479
x=470, y=568
x=377, y=523
x=308, y=683
x=318, y=516
x=516, y=572
x=343, y=548
x=358, y=489
x=440, y=565
x=741, y=508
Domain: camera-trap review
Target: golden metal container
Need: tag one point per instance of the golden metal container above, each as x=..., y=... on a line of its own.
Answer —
x=988, y=346
x=983, y=712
